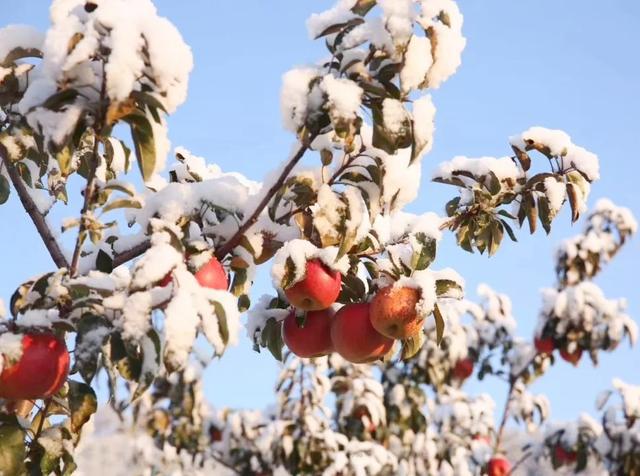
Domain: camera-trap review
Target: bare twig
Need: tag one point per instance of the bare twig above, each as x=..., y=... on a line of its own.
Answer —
x=223, y=250
x=37, y=217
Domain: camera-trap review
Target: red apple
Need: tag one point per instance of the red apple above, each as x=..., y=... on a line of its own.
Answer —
x=362, y=412
x=318, y=290
x=544, y=345
x=479, y=437
x=463, y=368
x=41, y=370
x=311, y=340
x=166, y=280
x=498, y=466
x=563, y=456
x=215, y=433
x=212, y=275
x=393, y=312
x=353, y=336
x=572, y=357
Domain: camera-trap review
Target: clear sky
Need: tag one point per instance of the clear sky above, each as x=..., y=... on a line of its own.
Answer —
x=571, y=65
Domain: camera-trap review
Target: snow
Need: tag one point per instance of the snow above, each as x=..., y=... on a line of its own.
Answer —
x=294, y=97
x=10, y=348
x=504, y=167
x=395, y=116
x=19, y=36
x=136, y=315
x=560, y=145
x=38, y=318
x=343, y=96
x=555, y=191
x=417, y=63
x=338, y=14
x=425, y=282
x=424, y=123
x=449, y=41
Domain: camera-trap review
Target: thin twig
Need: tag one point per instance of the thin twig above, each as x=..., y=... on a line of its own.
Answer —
x=131, y=253
x=226, y=248
x=31, y=208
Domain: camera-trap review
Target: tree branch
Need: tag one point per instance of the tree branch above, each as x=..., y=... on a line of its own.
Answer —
x=226, y=248
x=32, y=210
x=131, y=253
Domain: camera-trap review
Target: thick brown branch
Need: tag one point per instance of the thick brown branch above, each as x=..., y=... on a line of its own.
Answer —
x=32, y=210
x=226, y=248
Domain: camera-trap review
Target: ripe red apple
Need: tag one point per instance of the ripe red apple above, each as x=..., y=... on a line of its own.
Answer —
x=463, y=368
x=571, y=357
x=393, y=312
x=353, y=336
x=312, y=340
x=498, y=466
x=563, y=456
x=41, y=370
x=544, y=345
x=318, y=290
x=212, y=275
x=215, y=433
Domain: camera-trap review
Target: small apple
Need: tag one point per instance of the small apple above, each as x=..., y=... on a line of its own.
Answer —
x=164, y=282
x=484, y=438
x=318, y=290
x=215, y=434
x=393, y=312
x=212, y=275
x=563, y=456
x=353, y=336
x=498, y=466
x=311, y=340
x=544, y=345
x=571, y=357
x=41, y=370
x=463, y=369
x=360, y=413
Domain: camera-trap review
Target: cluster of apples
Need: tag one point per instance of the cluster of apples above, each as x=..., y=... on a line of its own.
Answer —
x=359, y=332
x=546, y=345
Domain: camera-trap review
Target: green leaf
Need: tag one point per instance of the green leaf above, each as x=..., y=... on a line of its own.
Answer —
x=544, y=213
x=437, y=315
x=381, y=138
x=87, y=349
x=12, y=446
x=573, y=201
x=104, y=262
x=510, y=232
x=447, y=288
x=82, y=404
x=148, y=371
x=223, y=326
x=121, y=203
x=60, y=99
x=423, y=256
x=271, y=338
x=339, y=26
x=523, y=158
x=362, y=7
x=412, y=345
x=142, y=135
x=5, y=189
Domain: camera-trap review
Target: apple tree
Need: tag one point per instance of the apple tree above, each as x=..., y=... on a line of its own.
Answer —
x=378, y=343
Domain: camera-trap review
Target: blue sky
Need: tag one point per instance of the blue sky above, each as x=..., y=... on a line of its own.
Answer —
x=570, y=65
